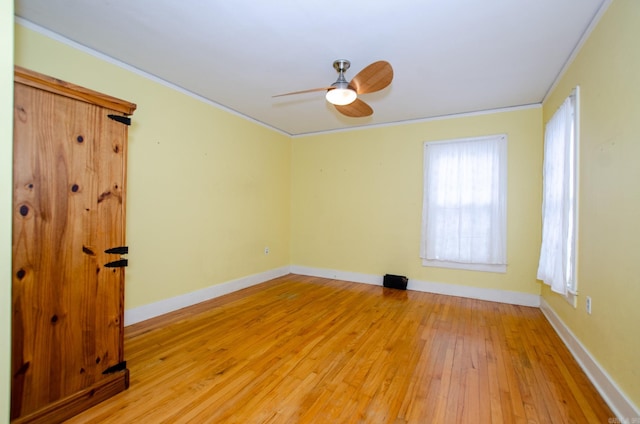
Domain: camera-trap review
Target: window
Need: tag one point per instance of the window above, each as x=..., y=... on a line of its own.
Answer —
x=557, y=266
x=464, y=211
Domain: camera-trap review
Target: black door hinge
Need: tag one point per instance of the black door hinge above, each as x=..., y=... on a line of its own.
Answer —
x=122, y=119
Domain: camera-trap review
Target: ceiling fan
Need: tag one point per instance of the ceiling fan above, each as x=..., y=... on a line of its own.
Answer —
x=344, y=95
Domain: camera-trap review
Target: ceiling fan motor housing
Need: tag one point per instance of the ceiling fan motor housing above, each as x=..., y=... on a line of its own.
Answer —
x=340, y=93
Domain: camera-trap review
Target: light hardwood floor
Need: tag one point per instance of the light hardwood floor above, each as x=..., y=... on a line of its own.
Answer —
x=309, y=350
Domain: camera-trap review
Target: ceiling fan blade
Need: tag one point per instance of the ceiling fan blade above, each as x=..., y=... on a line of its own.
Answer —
x=374, y=77
x=356, y=109
x=311, y=90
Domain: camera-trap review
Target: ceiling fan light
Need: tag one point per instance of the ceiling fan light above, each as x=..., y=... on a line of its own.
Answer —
x=341, y=96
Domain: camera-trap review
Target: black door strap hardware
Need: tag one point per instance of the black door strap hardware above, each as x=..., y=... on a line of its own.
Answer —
x=117, y=264
x=120, y=250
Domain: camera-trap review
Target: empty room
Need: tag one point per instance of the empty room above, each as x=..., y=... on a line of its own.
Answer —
x=318, y=212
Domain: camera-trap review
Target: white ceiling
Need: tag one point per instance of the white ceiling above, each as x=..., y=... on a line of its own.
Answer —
x=449, y=56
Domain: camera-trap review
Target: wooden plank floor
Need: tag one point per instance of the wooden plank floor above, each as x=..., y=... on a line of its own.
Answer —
x=309, y=350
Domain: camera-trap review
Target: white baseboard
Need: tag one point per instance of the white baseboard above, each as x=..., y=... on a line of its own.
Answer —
x=621, y=406
x=142, y=313
x=493, y=295
x=354, y=277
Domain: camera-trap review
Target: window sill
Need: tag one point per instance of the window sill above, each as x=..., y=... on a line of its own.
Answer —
x=468, y=267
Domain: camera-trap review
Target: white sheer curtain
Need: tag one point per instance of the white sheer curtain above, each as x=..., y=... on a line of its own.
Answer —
x=464, y=206
x=556, y=266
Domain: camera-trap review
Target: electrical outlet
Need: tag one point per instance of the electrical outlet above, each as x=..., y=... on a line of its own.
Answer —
x=589, y=305
x=266, y=250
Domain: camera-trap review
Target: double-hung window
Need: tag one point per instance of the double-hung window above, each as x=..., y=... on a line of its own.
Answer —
x=464, y=214
x=557, y=265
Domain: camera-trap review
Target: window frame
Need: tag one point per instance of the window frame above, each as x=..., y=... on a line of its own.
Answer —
x=503, y=186
x=571, y=283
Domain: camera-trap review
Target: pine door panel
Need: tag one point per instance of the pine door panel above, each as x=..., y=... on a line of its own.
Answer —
x=69, y=207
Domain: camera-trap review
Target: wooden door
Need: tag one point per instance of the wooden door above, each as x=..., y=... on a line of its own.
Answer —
x=69, y=207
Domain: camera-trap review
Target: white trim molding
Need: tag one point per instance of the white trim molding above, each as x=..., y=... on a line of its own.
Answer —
x=152, y=310
x=492, y=295
x=619, y=403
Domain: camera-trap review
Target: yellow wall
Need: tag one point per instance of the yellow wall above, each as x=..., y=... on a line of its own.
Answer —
x=207, y=190
x=608, y=72
x=357, y=199
x=6, y=160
